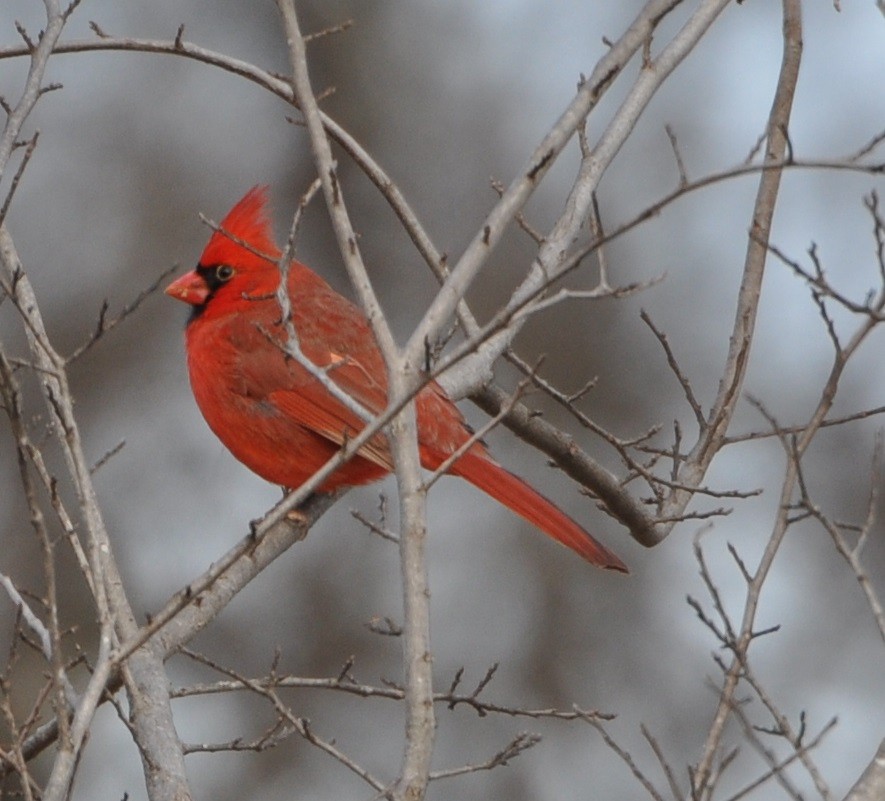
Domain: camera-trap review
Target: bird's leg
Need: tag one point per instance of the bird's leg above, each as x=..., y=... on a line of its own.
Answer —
x=296, y=515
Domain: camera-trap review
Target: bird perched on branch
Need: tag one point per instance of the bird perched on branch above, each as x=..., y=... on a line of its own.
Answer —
x=279, y=419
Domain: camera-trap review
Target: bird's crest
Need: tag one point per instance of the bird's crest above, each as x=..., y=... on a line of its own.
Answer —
x=248, y=222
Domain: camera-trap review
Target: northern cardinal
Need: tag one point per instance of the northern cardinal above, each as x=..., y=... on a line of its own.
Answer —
x=278, y=419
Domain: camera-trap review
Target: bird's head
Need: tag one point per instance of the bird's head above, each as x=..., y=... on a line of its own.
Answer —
x=239, y=263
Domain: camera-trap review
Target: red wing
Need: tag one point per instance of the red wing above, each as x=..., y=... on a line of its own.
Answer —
x=310, y=404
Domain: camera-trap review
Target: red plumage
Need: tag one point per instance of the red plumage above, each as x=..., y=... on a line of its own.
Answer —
x=279, y=420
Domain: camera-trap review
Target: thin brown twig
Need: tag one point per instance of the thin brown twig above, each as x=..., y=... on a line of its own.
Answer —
x=677, y=154
x=677, y=371
x=519, y=744
x=16, y=179
x=299, y=724
x=625, y=758
x=346, y=684
x=331, y=30
x=669, y=774
x=106, y=325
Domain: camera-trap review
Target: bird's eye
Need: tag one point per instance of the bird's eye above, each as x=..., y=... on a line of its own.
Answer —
x=224, y=272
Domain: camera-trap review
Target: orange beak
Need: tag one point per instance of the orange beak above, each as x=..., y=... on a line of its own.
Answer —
x=191, y=288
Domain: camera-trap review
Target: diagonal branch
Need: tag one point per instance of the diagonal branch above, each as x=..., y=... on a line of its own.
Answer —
x=593, y=165
x=403, y=379
x=736, y=364
x=148, y=686
x=712, y=436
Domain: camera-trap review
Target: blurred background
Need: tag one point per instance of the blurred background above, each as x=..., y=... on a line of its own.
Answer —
x=447, y=96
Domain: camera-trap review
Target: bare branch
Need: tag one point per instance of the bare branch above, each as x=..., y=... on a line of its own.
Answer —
x=871, y=785
x=625, y=758
x=852, y=555
x=710, y=440
x=680, y=376
x=680, y=164
x=16, y=179
x=154, y=721
x=105, y=325
x=522, y=742
x=662, y=761
x=298, y=724
x=341, y=27
x=579, y=202
x=403, y=377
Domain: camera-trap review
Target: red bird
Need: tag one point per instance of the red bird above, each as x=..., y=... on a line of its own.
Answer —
x=279, y=420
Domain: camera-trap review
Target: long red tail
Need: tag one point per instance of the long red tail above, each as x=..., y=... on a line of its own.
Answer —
x=515, y=494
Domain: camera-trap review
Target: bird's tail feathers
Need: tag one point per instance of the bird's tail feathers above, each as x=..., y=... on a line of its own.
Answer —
x=517, y=495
